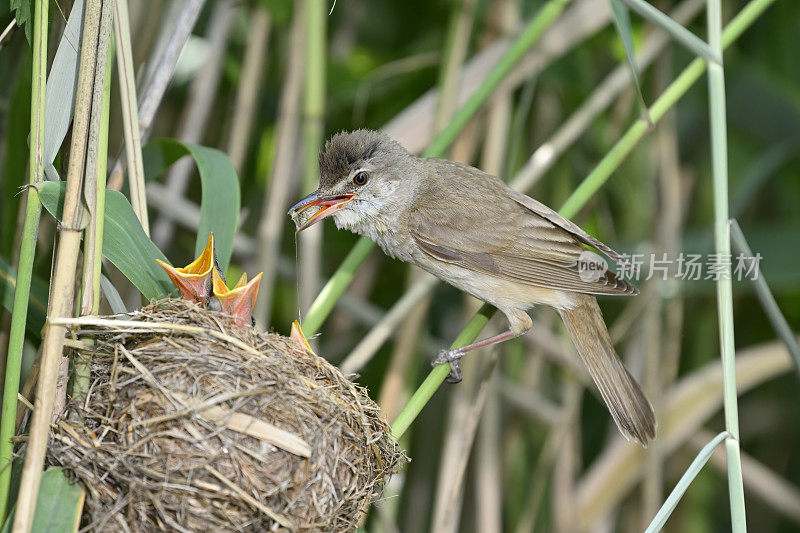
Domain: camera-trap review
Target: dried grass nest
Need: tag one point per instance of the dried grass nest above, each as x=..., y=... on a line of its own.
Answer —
x=189, y=424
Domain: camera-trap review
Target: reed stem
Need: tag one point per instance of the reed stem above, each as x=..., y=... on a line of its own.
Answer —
x=95, y=194
x=310, y=243
x=130, y=113
x=30, y=229
x=63, y=279
x=722, y=238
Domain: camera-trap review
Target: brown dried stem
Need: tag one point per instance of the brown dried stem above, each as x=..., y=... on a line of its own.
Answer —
x=63, y=281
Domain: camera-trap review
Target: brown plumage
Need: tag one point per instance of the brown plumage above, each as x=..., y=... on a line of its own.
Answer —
x=470, y=229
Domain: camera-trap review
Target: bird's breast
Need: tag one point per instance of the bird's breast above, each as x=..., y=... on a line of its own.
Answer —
x=395, y=244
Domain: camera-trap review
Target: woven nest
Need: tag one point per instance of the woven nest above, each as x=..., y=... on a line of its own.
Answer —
x=194, y=424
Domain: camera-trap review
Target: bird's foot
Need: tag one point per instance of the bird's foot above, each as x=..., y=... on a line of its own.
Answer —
x=453, y=357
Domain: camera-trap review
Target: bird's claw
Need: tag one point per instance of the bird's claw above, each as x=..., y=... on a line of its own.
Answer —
x=453, y=358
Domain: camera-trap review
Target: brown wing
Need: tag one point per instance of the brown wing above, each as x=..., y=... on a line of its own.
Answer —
x=567, y=225
x=505, y=238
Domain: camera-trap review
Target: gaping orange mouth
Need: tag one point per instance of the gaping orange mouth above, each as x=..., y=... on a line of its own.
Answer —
x=329, y=203
x=194, y=281
x=239, y=301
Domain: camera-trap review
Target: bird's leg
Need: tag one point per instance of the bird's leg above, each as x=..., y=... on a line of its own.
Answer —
x=519, y=322
x=454, y=356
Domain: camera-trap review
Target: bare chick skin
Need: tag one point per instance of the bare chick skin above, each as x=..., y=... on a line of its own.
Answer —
x=471, y=230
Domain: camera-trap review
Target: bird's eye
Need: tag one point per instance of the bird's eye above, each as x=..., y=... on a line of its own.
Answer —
x=361, y=178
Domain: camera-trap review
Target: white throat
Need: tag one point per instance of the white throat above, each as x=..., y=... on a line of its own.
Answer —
x=379, y=228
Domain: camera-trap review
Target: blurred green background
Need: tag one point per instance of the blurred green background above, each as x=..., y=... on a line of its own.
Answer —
x=520, y=446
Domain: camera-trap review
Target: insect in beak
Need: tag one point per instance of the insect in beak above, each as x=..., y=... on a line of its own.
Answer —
x=330, y=203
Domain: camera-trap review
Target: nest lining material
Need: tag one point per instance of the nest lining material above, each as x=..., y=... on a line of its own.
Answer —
x=194, y=424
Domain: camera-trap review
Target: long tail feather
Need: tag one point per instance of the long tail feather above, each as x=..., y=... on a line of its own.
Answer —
x=625, y=400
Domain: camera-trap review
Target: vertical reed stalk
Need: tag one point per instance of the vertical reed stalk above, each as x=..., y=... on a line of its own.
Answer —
x=245, y=107
x=722, y=238
x=313, y=132
x=270, y=227
x=30, y=228
x=162, y=63
x=63, y=280
x=130, y=113
x=455, y=52
x=95, y=194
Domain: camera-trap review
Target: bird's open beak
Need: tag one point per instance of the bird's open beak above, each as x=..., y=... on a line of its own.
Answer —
x=239, y=301
x=194, y=280
x=330, y=203
x=300, y=337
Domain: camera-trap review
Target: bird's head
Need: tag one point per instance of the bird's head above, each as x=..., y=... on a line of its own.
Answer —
x=365, y=176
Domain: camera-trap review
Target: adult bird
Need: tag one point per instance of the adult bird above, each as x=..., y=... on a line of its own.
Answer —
x=471, y=230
